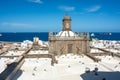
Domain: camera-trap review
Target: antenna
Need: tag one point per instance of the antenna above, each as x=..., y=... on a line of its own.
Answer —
x=66, y=13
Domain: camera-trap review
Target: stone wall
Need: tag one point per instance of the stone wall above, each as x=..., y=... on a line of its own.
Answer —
x=60, y=47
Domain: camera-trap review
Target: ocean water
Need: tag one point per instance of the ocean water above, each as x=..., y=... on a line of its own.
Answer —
x=19, y=37
x=106, y=35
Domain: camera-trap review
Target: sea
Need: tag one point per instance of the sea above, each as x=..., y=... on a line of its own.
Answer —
x=21, y=36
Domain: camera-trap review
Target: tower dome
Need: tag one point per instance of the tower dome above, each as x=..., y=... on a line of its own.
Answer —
x=67, y=17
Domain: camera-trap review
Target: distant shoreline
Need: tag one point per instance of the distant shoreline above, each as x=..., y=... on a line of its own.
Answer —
x=9, y=42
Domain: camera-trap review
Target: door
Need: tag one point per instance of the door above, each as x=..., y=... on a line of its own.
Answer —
x=70, y=48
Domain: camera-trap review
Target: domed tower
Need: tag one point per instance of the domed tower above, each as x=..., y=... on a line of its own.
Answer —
x=67, y=42
x=66, y=23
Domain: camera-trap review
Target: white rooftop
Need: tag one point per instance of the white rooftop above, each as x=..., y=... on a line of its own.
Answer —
x=69, y=67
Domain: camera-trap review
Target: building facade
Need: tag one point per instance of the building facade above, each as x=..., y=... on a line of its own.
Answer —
x=66, y=41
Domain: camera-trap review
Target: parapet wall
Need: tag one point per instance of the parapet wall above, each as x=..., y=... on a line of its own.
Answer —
x=10, y=71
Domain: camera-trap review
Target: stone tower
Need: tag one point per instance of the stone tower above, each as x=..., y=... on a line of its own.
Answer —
x=35, y=44
x=66, y=23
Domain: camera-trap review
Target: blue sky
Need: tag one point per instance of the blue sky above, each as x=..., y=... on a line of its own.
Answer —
x=47, y=15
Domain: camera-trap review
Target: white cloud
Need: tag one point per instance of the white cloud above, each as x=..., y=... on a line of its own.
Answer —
x=93, y=8
x=67, y=8
x=15, y=24
x=78, y=12
x=36, y=1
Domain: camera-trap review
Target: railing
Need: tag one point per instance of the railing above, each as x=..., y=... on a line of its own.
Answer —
x=67, y=38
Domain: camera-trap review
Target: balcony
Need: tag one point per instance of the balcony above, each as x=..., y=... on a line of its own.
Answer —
x=68, y=38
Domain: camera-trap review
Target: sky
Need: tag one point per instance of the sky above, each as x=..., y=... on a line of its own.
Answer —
x=47, y=15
